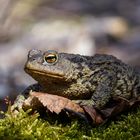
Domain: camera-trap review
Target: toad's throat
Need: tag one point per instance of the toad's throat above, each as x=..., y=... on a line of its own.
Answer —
x=47, y=74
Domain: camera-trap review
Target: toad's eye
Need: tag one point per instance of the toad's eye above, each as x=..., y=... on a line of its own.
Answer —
x=50, y=58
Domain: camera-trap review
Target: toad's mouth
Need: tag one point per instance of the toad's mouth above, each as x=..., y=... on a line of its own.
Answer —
x=44, y=74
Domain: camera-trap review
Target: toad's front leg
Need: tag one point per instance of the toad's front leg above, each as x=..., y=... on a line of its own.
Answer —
x=103, y=92
x=18, y=103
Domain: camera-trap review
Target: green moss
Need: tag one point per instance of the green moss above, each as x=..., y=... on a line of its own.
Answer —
x=31, y=127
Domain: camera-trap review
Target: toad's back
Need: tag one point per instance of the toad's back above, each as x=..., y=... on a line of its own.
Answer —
x=125, y=78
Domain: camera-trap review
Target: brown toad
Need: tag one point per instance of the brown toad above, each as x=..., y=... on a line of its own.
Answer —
x=88, y=80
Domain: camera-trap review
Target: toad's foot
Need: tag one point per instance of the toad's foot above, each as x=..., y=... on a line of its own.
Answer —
x=18, y=103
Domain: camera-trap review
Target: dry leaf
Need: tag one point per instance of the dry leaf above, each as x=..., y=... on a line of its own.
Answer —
x=53, y=103
x=94, y=115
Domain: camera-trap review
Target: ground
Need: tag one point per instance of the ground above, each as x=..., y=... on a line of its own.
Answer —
x=31, y=127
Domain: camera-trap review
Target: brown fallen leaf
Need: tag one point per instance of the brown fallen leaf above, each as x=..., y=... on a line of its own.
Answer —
x=121, y=105
x=53, y=103
x=94, y=114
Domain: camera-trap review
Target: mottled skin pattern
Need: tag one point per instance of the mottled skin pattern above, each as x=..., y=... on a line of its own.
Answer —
x=85, y=79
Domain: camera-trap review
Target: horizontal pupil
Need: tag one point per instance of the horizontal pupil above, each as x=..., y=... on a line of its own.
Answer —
x=51, y=57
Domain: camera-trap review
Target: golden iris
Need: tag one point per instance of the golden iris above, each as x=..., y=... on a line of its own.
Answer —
x=50, y=58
